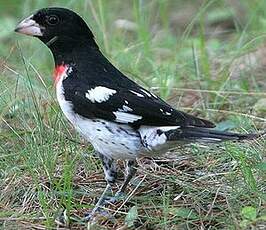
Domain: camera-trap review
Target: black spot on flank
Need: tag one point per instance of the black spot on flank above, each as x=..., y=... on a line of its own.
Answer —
x=144, y=143
x=106, y=142
x=100, y=139
x=118, y=130
x=127, y=147
x=122, y=144
x=109, y=129
x=98, y=130
x=94, y=121
x=159, y=132
x=113, y=143
x=122, y=129
x=103, y=122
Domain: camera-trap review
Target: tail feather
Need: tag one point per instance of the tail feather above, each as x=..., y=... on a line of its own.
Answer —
x=207, y=135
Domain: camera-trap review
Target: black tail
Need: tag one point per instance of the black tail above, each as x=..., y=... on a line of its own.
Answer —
x=207, y=135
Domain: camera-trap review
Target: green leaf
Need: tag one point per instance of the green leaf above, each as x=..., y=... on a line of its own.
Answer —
x=226, y=125
x=248, y=175
x=131, y=216
x=184, y=213
x=249, y=213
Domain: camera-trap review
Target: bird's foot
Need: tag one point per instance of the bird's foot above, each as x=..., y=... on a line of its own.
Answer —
x=99, y=212
x=99, y=208
x=116, y=198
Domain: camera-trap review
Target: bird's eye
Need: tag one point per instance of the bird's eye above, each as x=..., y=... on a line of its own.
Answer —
x=52, y=20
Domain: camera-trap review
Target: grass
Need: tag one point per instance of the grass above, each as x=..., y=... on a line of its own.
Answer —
x=199, y=55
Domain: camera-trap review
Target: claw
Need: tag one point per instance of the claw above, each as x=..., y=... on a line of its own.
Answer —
x=100, y=212
x=116, y=198
x=99, y=208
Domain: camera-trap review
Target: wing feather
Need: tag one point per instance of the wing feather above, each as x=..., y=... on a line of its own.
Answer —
x=134, y=106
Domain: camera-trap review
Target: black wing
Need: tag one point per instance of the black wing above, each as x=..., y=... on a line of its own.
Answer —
x=131, y=105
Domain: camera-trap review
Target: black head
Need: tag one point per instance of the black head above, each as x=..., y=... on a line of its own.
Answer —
x=56, y=25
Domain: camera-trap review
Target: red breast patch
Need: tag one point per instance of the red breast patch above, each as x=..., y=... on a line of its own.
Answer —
x=58, y=72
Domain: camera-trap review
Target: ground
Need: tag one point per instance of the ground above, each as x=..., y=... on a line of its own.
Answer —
x=203, y=57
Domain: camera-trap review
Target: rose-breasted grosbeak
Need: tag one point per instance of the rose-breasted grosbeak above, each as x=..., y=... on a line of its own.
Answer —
x=118, y=117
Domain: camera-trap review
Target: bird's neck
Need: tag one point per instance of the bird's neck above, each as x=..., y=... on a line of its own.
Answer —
x=68, y=51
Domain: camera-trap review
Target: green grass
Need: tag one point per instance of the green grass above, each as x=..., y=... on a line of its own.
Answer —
x=185, y=51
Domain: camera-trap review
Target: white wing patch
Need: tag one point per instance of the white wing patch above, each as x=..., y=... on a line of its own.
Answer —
x=166, y=113
x=99, y=94
x=127, y=109
x=126, y=117
x=146, y=92
x=136, y=93
x=209, y=139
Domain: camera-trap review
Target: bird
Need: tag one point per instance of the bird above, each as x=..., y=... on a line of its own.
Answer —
x=121, y=119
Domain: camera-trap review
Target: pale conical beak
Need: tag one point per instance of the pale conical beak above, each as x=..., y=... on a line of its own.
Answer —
x=29, y=27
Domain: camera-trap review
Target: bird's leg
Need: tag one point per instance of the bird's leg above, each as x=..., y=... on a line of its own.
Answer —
x=131, y=170
x=110, y=176
x=109, y=168
x=99, y=204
